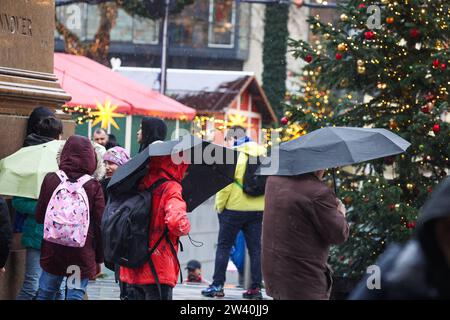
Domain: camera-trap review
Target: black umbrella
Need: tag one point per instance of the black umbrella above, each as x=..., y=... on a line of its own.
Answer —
x=333, y=147
x=211, y=168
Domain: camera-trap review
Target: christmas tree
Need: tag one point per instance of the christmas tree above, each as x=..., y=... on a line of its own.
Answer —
x=388, y=62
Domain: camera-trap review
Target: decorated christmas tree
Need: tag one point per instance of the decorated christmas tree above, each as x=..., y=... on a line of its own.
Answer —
x=388, y=62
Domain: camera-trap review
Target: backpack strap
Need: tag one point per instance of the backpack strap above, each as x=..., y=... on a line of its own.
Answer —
x=61, y=175
x=152, y=188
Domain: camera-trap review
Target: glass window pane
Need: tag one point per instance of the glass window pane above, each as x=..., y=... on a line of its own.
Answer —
x=145, y=30
x=93, y=21
x=74, y=17
x=190, y=27
x=122, y=30
x=221, y=23
x=244, y=25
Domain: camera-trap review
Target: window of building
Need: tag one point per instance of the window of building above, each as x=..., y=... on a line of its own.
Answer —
x=222, y=17
x=190, y=28
x=92, y=21
x=145, y=31
x=244, y=25
x=123, y=28
x=74, y=19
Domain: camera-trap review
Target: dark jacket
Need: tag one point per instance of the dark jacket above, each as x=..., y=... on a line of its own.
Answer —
x=5, y=233
x=104, y=183
x=77, y=159
x=418, y=269
x=300, y=223
x=32, y=231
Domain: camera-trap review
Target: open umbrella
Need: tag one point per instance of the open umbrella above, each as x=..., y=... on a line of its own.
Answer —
x=333, y=147
x=211, y=168
x=22, y=173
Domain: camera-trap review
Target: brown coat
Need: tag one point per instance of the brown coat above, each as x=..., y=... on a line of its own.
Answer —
x=300, y=223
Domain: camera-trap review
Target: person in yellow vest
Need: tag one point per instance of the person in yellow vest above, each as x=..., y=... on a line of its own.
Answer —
x=239, y=211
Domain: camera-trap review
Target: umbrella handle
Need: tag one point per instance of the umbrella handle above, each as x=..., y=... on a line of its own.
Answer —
x=334, y=181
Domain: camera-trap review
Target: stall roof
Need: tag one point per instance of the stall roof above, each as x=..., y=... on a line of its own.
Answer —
x=89, y=82
x=205, y=90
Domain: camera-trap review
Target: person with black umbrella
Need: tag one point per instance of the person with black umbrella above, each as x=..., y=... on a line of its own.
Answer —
x=303, y=217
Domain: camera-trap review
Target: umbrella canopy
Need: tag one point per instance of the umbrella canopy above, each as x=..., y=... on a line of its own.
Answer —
x=332, y=147
x=22, y=173
x=211, y=168
x=89, y=82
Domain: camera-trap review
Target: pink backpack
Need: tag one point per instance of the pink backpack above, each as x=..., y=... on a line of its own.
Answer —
x=67, y=216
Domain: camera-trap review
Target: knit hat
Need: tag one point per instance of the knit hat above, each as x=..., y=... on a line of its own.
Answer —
x=117, y=155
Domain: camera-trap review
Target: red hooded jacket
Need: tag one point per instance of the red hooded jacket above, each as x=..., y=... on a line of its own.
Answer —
x=168, y=209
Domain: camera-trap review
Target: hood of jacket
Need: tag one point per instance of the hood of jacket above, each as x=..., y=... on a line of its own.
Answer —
x=34, y=139
x=162, y=167
x=78, y=157
x=436, y=207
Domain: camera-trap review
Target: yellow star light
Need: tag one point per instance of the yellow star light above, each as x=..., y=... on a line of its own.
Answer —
x=106, y=115
x=237, y=120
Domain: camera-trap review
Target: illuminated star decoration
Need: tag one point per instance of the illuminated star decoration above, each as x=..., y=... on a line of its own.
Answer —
x=237, y=120
x=106, y=115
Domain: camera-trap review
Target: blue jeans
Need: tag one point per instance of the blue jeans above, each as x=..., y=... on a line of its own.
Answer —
x=230, y=223
x=33, y=271
x=49, y=285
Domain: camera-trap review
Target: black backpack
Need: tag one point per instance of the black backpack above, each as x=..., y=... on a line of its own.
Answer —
x=126, y=227
x=253, y=185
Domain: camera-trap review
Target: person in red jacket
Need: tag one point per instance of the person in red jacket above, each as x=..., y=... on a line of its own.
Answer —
x=168, y=211
x=58, y=261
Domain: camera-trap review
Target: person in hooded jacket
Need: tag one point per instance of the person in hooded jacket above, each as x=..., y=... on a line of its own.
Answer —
x=47, y=129
x=140, y=284
x=239, y=211
x=77, y=159
x=168, y=214
x=420, y=269
x=151, y=130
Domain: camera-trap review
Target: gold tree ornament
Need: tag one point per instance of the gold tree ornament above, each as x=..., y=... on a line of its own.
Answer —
x=360, y=63
x=342, y=47
x=361, y=69
x=344, y=17
x=106, y=115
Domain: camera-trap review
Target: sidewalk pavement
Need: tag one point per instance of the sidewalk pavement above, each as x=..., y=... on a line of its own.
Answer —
x=107, y=289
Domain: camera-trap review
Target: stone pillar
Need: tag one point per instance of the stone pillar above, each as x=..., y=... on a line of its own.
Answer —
x=26, y=82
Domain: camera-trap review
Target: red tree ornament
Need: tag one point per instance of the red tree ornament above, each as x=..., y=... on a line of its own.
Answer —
x=443, y=66
x=369, y=35
x=338, y=56
x=361, y=6
x=308, y=58
x=411, y=224
x=436, y=128
x=284, y=121
x=425, y=109
x=436, y=63
x=414, y=33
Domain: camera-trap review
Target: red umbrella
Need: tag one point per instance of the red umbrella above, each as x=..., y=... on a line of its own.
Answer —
x=89, y=83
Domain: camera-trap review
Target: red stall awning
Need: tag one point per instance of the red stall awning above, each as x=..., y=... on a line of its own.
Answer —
x=89, y=83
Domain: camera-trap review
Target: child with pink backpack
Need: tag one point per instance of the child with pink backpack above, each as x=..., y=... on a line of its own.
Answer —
x=71, y=206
